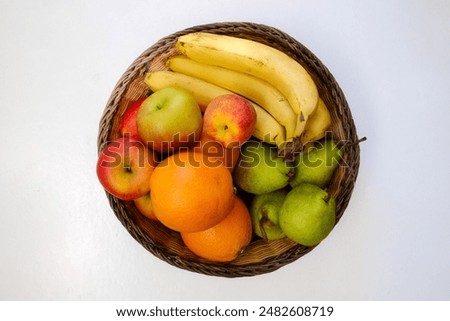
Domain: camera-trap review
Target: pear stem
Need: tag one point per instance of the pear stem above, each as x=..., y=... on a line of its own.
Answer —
x=261, y=227
x=345, y=144
x=291, y=174
x=288, y=153
x=327, y=198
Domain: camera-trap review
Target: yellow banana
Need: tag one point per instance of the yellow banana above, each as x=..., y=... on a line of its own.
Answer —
x=255, y=89
x=267, y=128
x=259, y=60
x=201, y=90
x=318, y=123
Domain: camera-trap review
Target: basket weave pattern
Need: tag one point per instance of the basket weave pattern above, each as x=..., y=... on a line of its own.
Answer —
x=260, y=256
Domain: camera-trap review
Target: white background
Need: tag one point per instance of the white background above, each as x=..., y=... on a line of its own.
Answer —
x=59, y=62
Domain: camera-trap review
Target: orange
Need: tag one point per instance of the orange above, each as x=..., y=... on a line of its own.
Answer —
x=189, y=194
x=216, y=152
x=224, y=241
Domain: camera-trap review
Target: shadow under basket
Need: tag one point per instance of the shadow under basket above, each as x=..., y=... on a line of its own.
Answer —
x=260, y=256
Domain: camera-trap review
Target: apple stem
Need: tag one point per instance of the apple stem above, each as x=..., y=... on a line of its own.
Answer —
x=327, y=198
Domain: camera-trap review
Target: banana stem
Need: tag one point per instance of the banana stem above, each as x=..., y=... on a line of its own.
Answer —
x=288, y=153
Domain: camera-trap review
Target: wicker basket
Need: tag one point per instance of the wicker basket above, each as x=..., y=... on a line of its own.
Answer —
x=260, y=256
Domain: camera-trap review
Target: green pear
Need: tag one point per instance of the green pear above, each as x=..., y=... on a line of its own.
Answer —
x=264, y=210
x=318, y=165
x=308, y=214
x=260, y=170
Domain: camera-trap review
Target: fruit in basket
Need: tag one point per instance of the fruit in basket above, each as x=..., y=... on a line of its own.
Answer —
x=128, y=122
x=124, y=168
x=224, y=241
x=307, y=215
x=144, y=206
x=318, y=123
x=215, y=152
x=318, y=165
x=230, y=120
x=202, y=91
x=267, y=128
x=169, y=118
x=248, y=86
x=259, y=60
x=190, y=195
x=260, y=170
x=264, y=210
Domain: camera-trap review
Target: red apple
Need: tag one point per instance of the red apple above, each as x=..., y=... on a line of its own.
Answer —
x=169, y=118
x=124, y=168
x=144, y=205
x=128, y=123
x=229, y=119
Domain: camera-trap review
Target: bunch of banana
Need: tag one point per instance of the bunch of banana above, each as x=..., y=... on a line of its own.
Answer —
x=267, y=128
x=259, y=60
x=255, y=89
x=319, y=122
x=284, y=95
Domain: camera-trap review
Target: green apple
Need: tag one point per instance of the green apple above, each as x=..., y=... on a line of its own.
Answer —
x=168, y=119
x=308, y=214
x=264, y=210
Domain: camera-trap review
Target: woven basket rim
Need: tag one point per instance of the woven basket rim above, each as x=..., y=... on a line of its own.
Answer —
x=303, y=55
